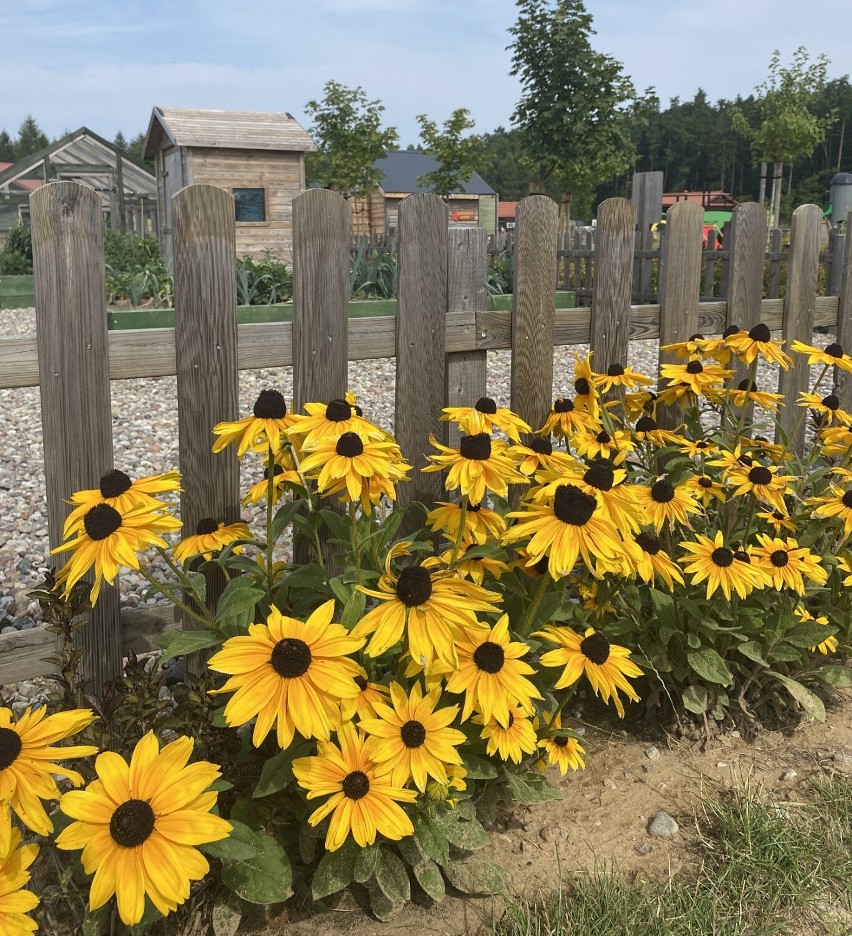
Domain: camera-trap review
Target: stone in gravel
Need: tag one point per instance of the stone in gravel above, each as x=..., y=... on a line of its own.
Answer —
x=663, y=826
x=552, y=834
x=845, y=759
x=643, y=848
x=503, y=838
x=609, y=784
x=788, y=775
x=530, y=826
x=652, y=753
x=9, y=630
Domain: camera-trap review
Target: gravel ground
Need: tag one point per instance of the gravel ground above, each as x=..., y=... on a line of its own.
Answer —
x=145, y=442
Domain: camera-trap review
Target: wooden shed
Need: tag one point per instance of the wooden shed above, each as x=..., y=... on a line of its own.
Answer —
x=258, y=157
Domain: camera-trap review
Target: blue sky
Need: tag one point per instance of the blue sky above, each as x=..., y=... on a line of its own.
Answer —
x=105, y=63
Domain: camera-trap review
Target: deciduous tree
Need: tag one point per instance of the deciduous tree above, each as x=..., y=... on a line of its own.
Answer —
x=456, y=154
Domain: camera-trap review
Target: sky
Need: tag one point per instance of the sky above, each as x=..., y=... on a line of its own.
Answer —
x=105, y=64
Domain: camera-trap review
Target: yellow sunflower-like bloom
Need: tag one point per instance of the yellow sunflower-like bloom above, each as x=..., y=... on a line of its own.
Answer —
x=267, y=426
x=826, y=408
x=331, y=420
x=283, y=473
x=139, y=825
x=757, y=342
x=364, y=704
x=565, y=419
x=665, y=504
x=836, y=506
x=786, y=564
x=829, y=645
x=845, y=565
x=292, y=672
x=480, y=464
x=722, y=568
x=778, y=521
x=705, y=489
x=617, y=375
x=648, y=430
x=698, y=345
x=362, y=800
x=210, y=537
x=476, y=568
x=836, y=442
x=430, y=609
x=485, y=416
x=747, y=392
x=110, y=539
x=586, y=393
x=412, y=739
x=649, y=561
x=639, y=403
x=480, y=523
x=538, y=455
x=700, y=448
x=15, y=901
x=832, y=355
x=767, y=486
x=510, y=741
x=602, y=444
x=606, y=665
x=121, y=493
x=563, y=751
x=492, y=675
x=700, y=378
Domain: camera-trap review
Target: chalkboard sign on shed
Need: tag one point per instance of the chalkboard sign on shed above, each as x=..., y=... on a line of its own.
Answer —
x=250, y=204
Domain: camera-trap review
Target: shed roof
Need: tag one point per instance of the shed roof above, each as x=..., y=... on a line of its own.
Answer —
x=714, y=199
x=401, y=170
x=180, y=126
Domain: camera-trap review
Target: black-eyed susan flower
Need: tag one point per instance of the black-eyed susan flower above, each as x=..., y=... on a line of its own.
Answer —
x=603, y=480
x=606, y=665
x=485, y=416
x=413, y=739
x=121, y=493
x=747, y=392
x=28, y=762
x=364, y=704
x=649, y=560
x=699, y=377
x=362, y=801
x=564, y=419
x=761, y=481
x=15, y=900
x=617, y=375
x=538, y=455
x=699, y=346
x=210, y=537
x=786, y=564
x=480, y=523
x=705, y=489
x=283, y=473
x=492, y=674
x=665, y=504
x=640, y=403
x=290, y=672
x=330, y=421
x=563, y=750
x=836, y=441
x=757, y=342
x=476, y=568
x=648, y=430
x=110, y=539
x=777, y=520
x=831, y=355
x=267, y=426
x=679, y=394
x=139, y=826
x=511, y=741
x=567, y=524
x=480, y=464
x=698, y=448
x=829, y=645
x=590, y=595
x=444, y=792
x=614, y=446
x=430, y=609
x=826, y=409
x=586, y=393
x=845, y=565
x=836, y=505
x=712, y=561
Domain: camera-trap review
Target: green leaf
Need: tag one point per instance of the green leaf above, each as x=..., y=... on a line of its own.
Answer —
x=97, y=922
x=235, y=610
x=243, y=843
x=366, y=863
x=199, y=583
x=342, y=591
x=753, y=649
x=177, y=643
x=265, y=878
x=429, y=877
x=468, y=835
x=338, y=525
x=335, y=870
x=812, y=704
x=391, y=877
x=283, y=516
x=529, y=788
x=475, y=876
x=784, y=654
x=432, y=840
x=353, y=610
x=478, y=768
x=839, y=677
x=226, y=914
x=710, y=666
x=382, y=906
x=809, y=634
x=277, y=772
x=694, y=699
x=411, y=850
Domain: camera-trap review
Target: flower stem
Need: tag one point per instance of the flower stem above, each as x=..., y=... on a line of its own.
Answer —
x=180, y=605
x=460, y=533
x=270, y=492
x=541, y=588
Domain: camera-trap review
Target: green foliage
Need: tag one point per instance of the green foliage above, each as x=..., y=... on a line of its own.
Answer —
x=263, y=282
x=347, y=128
x=135, y=272
x=16, y=257
x=372, y=273
x=458, y=156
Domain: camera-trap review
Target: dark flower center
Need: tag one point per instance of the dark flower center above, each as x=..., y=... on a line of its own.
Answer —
x=615, y=370
x=745, y=460
x=561, y=741
x=600, y=475
x=701, y=445
x=561, y=405
x=474, y=508
x=485, y=405
x=541, y=445
x=603, y=437
x=357, y=409
x=413, y=734
x=511, y=721
x=349, y=445
x=696, y=337
x=356, y=785
x=476, y=447
x=571, y=505
x=779, y=558
x=101, y=521
x=205, y=526
x=722, y=557
x=650, y=544
x=10, y=747
x=760, y=475
x=731, y=330
x=131, y=823
x=646, y=424
x=338, y=411
x=705, y=482
x=114, y=483
x=748, y=385
x=847, y=499
x=663, y=492
x=834, y=350
x=360, y=682
x=831, y=402
x=276, y=470
x=581, y=386
x=291, y=658
x=542, y=565
x=694, y=367
x=489, y=657
x=270, y=405
x=742, y=556
x=760, y=333
x=414, y=586
x=595, y=647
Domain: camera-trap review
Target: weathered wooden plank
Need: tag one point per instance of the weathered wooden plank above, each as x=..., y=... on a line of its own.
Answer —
x=647, y=196
x=798, y=322
x=533, y=308
x=421, y=322
x=71, y=338
x=776, y=257
x=466, y=374
x=842, y=380
x=613, y=273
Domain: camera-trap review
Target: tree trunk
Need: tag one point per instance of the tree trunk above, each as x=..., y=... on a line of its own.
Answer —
x=565, y=212
x=761, y=199
x=777, y=186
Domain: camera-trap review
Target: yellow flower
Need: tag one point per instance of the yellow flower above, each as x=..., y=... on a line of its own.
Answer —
x=748, y=392
x=283, y=473
x=538, y=455
x=836, y=505
x=697, y=449
x=713, y=561
x=584, y=386
x=267, y=426
x=15, y=902
x=364, y=704
x=786, y=564
x=763, y=482
x=331, y=420
x=663, y=503
x=601, y=444
x=700, y=378
x=480, y=523
x=139, y=825
x=362, y=800
x=480, y=464
x=510, y=741
x=650, y=560
x=825, y=409
x=829, y=645
x=485, y=416
x=565, y=419
x=563, y=751
x=617, y=375
x=210, y=537
x=757, y=342
x=647, y=430
x=832, y=355
x=705, y=489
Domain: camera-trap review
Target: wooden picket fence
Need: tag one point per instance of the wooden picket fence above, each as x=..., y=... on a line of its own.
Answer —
x=440, y=336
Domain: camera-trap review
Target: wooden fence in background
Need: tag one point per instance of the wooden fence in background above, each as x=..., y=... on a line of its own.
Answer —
x=440, y=337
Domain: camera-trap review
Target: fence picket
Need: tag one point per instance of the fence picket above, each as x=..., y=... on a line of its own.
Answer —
x=612, y=281
x=843, y=380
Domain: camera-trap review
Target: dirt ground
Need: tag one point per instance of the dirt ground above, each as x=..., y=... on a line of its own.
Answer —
x=602, y=819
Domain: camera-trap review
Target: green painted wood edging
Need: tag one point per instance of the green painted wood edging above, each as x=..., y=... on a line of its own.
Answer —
x=283, y=312
x=17, y=292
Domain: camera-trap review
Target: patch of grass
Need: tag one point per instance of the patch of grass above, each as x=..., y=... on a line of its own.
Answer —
x=764, y=869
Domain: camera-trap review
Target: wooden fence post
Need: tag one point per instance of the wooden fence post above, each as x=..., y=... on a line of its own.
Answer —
x=71, y=329
x=421, y=322
x=647, y=196
x=610, y=328
x=842, y=380
x=680, y=278
x=206, y=360
x=533, y=308
x=798, y=321
x=466, y=375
